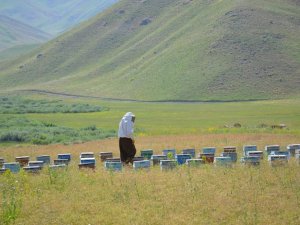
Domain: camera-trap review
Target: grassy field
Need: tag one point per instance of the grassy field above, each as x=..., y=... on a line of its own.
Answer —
x=188, y=118
x=171, y=50
x=206, y=195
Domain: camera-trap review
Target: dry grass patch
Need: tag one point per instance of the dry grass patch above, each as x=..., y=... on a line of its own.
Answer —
x=206, y=195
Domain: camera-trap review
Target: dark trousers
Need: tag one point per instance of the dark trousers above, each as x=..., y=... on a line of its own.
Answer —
x=127, y=150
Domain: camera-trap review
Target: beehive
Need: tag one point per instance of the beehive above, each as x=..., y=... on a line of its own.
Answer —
x=297, y=154
x=207, y=157
x=36, y=163
x=1, y=162
x=61, y=161
x=105, y=155
x=167, y=164
x=286, y=153
x=64, y=156
x=156, y=159
x=229, y=149
x=146, y=153
x=251, y=160
x=181, y=158
x=232, y=155
x=59, y=166
x=138, y=158
x=248, y=148
x=223, y=161
x=87, y=161
x=190, y=151
x=2, y=170
x=114, y=166
x=170, y=153
x=86, y=166
x=194, y=162
x=292, y=148
x=144, y=164
x=14, y=167
x=23, y=160
x=87, y=155
x=260, y=154
x=278, y=160
x=209, y=150
x=113, y=160
x=32, y=169
x=272, y=148
x=45, y=158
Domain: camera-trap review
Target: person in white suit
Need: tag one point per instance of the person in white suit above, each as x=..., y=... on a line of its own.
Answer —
x=126, y=139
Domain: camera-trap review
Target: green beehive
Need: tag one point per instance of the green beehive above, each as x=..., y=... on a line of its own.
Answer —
x=147, y=153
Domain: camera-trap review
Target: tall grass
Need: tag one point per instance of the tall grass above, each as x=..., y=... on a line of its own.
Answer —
x=204, y=195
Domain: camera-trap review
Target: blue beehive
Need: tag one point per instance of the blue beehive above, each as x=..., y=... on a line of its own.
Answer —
x=190, y=151
x=64, y=156
x=272, y=148
x=156, y=159
x=223, y=161
x=170, y=153
x=181, y=158
x=114, y=166
x=147, y=153
x=195, y=162
x=256, y=153
x=36, y=163
x=45, y=158
x=209, y=150
x=232, y=155
x=277, y=160
x=292, y=148
x=61, y=161
x=250, y=160
x=14, y=167
x=32, y=169
x=88, y=161
x=248, y=148
x=167, y=164
x=141, y=164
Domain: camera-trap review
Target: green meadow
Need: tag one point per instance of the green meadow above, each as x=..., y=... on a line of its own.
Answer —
x=188, y=118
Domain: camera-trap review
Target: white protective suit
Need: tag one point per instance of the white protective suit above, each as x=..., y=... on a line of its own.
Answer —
x=126, y=126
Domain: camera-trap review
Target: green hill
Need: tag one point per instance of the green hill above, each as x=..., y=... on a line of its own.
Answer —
x=13, y=33
x=172, y=50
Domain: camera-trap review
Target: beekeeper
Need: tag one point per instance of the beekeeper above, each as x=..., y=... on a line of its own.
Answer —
x=126, y=139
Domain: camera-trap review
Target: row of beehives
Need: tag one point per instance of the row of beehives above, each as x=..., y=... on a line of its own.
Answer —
x=167, y=160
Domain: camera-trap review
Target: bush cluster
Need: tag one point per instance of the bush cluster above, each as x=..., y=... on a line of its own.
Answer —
x=23, y=130
x=18, y=105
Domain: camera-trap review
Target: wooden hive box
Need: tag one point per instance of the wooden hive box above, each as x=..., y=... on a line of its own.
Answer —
x=23, y=160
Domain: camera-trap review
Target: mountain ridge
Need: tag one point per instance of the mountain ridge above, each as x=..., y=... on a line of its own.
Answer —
x=158, y=50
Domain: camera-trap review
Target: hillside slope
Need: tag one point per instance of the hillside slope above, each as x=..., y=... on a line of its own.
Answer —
x=172, y=50
x=13, y=33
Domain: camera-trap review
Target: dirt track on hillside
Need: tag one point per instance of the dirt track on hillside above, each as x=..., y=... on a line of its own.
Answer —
x=131, y=100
